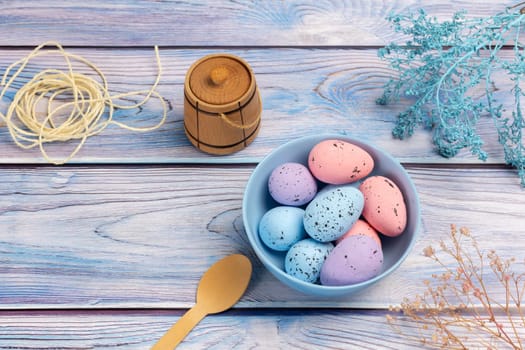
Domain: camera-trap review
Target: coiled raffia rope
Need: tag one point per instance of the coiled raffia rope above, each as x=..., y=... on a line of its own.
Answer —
x=75, y=106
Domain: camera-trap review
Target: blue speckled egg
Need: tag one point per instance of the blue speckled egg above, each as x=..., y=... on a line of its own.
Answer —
x=333, y=212
x=305, y=259
x=281, y=227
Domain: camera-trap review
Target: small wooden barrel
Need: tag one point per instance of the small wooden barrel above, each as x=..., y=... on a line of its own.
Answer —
x=222, y=105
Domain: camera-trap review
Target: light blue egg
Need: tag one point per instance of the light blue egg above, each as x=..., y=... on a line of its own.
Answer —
x=281, y=227
x=333, y=212
x=305, y=259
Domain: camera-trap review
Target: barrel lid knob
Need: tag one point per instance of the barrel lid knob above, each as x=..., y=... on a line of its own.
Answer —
x=219, y=75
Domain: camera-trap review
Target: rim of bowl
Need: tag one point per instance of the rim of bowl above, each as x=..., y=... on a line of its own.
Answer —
x=319, y=287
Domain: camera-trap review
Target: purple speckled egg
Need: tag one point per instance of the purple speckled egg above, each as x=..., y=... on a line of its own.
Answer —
x=355, y=259
x=292, y=184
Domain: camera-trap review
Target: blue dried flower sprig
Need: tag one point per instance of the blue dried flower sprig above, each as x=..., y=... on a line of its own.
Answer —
x=439, y=67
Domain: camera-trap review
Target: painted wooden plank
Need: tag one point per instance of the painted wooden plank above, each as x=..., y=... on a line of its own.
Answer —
x=204, y=23
x=253, y=329
x=300, y=88
x=140, y=237
x=130, y=237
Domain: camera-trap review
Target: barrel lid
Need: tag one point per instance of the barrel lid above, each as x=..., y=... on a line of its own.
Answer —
x=220, y=79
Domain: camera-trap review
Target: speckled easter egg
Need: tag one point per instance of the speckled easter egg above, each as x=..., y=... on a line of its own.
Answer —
x=305, y=259
x=361, y=227
x=356, y=259
x=292, y=184
x=281, y=227
x=339, y=162
x=331, y=213
x=385, y=207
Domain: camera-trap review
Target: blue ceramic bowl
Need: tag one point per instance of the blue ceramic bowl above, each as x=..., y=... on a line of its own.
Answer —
x=258, y=201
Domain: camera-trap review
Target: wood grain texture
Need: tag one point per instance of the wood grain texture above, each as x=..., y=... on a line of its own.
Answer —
x=275, y=329
x=215, y=23
x=132, y=237
x=300, y=88
x=107, y=252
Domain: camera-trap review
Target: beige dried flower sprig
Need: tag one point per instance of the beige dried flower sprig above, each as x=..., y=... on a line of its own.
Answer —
x=476, y=302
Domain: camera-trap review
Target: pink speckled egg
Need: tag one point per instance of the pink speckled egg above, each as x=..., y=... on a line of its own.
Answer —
x=339, y=162
x=355, y=259
x=385, y=207
x=361, y=227
x=292, y=184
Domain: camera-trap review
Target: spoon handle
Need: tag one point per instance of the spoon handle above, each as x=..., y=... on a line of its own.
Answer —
x=180, y=329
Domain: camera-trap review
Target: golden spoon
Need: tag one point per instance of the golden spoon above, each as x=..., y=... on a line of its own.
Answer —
x=219, y=289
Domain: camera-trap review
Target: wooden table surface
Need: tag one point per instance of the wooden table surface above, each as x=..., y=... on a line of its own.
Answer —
x=106, y=251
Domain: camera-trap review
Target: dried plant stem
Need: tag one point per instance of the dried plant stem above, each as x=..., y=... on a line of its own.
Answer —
x=459, y=303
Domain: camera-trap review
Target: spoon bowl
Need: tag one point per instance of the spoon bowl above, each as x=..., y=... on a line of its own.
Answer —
x=224, y=283
x=219, y=289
